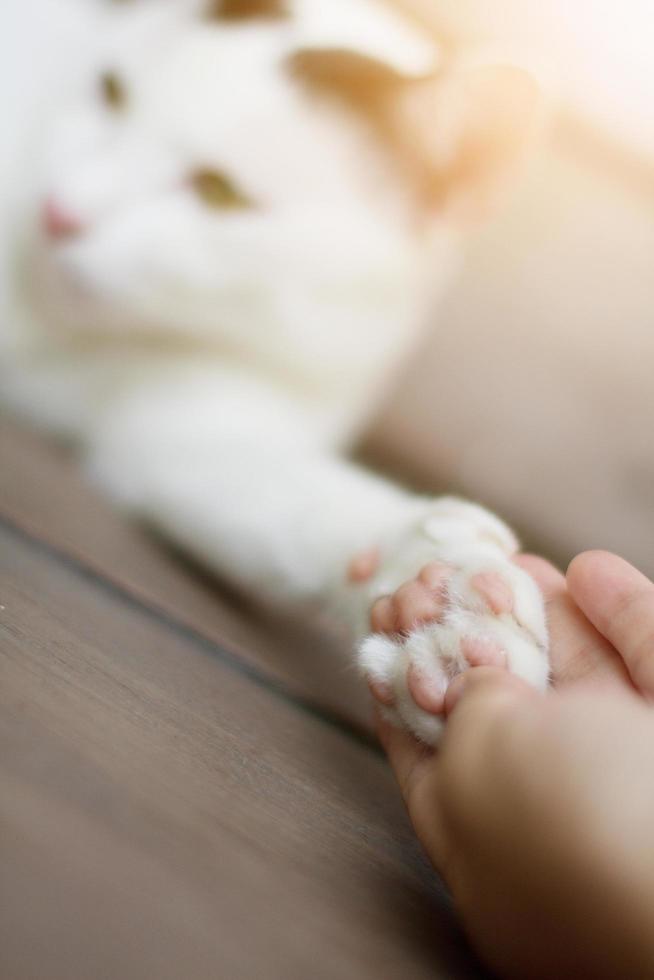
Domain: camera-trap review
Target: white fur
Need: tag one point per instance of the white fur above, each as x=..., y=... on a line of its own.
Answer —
x=471, y=541
x=212, y=366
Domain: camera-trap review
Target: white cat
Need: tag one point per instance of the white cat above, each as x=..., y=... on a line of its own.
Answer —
x=227, y=224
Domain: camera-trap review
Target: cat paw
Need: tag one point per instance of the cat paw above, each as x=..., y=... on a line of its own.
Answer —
x=442, y=621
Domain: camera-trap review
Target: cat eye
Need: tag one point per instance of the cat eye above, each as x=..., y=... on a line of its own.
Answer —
x=113, y=91
x=217, y=191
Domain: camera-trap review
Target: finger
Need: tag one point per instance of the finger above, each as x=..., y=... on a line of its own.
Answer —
x=619, y=601
x=406, y=755
x=548, y=578
x=416, y=769
x=486, y=689
x=577, y=651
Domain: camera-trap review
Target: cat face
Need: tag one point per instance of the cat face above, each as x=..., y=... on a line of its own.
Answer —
x=230, y=165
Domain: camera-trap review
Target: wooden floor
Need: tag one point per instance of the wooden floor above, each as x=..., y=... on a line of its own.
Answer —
x=184, y=793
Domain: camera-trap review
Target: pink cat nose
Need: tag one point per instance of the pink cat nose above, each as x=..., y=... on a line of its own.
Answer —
x=58, y=222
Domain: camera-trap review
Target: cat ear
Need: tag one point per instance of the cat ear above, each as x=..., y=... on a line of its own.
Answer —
x=466, y=134
x=356, y=80
x=456, y=137
x=247, y=9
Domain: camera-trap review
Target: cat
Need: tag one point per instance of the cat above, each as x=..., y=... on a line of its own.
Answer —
x=227, y=227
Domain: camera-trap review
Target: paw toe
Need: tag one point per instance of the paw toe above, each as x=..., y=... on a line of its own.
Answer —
x=383, y=617
x=495, y=591
x=427, y=690
x=481, y=652
x=416, y=604
x=434, y=576
x=382, y=692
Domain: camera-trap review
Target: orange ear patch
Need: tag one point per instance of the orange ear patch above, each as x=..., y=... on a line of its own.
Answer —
x=373, y=91
x=248, y=9
x=455, y=136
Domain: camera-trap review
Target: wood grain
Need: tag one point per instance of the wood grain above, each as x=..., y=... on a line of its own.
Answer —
x=42, y=491
x=166, y=813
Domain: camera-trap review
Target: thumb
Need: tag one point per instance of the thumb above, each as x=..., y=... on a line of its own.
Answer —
x=487, y=689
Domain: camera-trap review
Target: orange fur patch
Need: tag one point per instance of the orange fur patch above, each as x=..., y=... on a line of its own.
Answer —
x=248, y=9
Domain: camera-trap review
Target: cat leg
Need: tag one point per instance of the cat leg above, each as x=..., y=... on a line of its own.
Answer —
x=250, y=481
x=247, y=479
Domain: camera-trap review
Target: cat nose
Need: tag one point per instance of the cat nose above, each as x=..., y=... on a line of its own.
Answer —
x=59, y=223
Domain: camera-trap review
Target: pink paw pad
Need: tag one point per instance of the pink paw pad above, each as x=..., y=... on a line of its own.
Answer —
x=435, y=576
x=382, y=692
x=416, y=604
x=420, y=601
x=427, y=690
x=363, y=566
x=495, y=591
x=480, y=652
x=383, y=617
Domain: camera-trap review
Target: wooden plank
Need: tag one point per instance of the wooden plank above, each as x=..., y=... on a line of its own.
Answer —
x=42, y=491
x=166, y=814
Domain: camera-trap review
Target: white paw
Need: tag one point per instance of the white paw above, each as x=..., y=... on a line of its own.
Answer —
x=464, y=603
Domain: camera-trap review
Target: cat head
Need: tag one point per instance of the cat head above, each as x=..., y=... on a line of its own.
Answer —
x=218, y=158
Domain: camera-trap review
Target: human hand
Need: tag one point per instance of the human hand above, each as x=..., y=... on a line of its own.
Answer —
x=619, y=601
x=529, y=808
